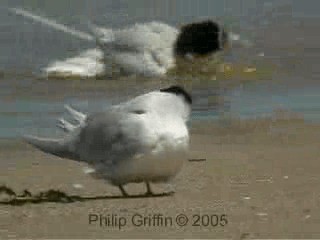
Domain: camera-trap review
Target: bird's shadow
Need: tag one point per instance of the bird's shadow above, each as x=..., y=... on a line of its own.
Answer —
x=57, y=196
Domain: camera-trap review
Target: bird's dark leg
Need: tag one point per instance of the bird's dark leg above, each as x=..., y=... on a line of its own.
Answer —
x=149, y=191
x=124, y=193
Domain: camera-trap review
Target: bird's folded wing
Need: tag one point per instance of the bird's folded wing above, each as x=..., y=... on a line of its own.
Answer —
x=107, y=138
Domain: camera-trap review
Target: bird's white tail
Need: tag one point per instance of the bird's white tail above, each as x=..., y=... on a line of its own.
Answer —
x=57, y=147
x=78, y=116
x=65, y=125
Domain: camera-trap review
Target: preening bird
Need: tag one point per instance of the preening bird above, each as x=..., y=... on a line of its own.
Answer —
x=151, y=49
x=147, y=49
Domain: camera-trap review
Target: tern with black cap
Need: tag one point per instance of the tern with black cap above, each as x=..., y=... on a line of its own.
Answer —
x=143, y=140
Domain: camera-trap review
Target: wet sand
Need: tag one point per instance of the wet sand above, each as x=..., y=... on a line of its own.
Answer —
x=262, y=174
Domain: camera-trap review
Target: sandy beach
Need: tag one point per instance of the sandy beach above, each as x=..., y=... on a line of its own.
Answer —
x=259, y=180
x=256, y=178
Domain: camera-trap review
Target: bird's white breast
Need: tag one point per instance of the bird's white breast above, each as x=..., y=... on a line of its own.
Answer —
x=164, y=143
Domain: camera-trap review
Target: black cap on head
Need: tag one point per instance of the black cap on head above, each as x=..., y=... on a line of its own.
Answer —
x=200, y=38
x=178, y=91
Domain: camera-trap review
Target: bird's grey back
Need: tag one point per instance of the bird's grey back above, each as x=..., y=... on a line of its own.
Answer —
x=104, y=139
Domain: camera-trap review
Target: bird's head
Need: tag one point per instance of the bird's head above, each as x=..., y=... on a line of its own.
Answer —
x=185, y=99
x=201, y=39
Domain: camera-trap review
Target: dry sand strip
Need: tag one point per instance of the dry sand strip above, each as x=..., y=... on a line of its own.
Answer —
x=260, y=180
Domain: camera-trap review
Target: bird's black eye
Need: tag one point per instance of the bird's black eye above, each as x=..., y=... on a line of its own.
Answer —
x=139, y=112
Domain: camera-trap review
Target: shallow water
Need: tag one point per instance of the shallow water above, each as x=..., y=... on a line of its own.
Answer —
x=283, y=37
